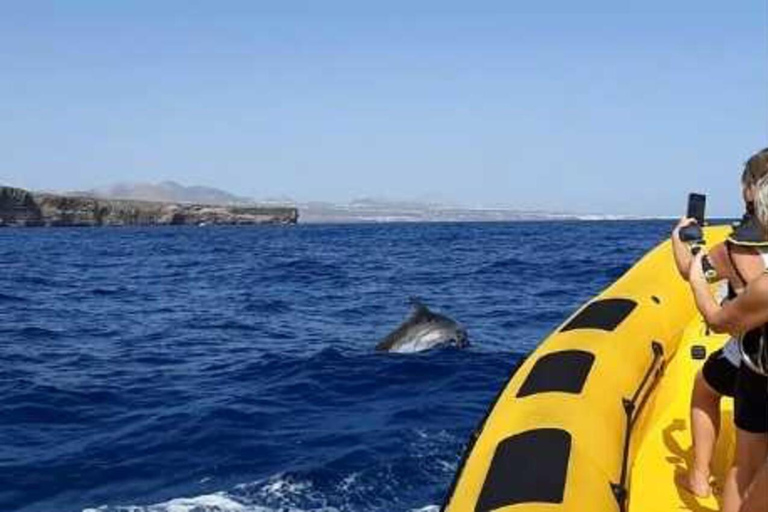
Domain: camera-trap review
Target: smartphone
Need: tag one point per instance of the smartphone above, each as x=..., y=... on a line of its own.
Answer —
x=696, y=205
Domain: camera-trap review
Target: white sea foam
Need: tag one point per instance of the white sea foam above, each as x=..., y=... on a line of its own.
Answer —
x=289, y=493
x=278, y=491
x=218, y=502
x=277, y=488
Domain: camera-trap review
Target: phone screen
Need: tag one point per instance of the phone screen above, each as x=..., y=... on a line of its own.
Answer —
x=696, y=205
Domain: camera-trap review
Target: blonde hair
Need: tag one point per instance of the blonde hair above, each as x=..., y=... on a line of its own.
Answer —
x=761, y=203
x=755, y=168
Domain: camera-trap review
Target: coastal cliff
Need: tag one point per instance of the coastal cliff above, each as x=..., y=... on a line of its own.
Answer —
x=19, y=207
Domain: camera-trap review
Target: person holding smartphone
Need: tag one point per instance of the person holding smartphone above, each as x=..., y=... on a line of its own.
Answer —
x=745, y=317
x=742, y=258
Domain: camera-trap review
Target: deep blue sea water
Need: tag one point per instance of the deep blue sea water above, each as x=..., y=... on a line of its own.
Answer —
x=231, y=369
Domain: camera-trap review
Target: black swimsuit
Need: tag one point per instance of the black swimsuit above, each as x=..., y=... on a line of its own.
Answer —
x=750, y=388
x=719, y=372
x=751, y=393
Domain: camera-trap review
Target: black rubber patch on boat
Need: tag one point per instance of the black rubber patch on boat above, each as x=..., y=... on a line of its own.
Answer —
x=604, y=314
x=564, y=371
x=530, y=467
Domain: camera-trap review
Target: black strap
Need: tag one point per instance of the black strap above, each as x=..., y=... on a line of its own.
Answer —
x=748, y=233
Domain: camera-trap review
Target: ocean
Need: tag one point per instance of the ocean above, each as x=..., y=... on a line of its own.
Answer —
x=231, y=369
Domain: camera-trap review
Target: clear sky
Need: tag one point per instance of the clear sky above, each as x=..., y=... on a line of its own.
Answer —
x=590, y=106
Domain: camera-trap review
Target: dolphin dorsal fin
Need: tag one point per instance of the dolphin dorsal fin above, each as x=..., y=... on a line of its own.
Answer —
x=418, y=308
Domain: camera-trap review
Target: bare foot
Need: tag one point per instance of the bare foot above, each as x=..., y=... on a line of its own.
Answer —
x=695, y=482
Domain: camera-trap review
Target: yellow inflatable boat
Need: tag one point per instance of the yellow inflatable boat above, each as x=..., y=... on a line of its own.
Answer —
x=597, y=418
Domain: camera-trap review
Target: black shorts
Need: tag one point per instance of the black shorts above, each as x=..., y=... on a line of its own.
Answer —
x=720, y=373
x=751, y=401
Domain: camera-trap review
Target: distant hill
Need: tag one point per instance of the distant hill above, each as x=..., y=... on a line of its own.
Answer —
x=167, y=191
x=366, y=209
x=22, y=208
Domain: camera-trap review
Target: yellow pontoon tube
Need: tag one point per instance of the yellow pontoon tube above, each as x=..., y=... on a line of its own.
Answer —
x=597, y=417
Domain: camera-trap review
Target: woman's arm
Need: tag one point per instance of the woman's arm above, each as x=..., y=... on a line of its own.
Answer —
x=680, y=250
x=683, y=257
x=745, y=312
x=718, y=258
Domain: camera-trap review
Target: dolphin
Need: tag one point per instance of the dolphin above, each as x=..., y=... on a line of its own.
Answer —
x=423, y=330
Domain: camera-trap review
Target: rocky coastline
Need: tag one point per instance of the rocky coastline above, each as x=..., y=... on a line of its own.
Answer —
x=23, y=208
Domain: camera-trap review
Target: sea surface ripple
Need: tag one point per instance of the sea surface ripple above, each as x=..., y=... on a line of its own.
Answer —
x=231, y=369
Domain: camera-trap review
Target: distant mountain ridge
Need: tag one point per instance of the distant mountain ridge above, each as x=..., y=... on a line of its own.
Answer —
x=364, y=209
x=167, y=192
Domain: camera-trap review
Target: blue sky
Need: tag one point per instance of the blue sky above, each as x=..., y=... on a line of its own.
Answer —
x=590, y=106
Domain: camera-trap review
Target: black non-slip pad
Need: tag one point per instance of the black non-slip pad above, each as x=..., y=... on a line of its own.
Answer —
x=530, y=467
x=564, y=371
x=604, y=314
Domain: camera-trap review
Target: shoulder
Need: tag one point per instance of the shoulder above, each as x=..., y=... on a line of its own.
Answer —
x=749, y=261
x=759, y=288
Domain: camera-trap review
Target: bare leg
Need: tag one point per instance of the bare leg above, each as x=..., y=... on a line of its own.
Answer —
x=751, y=452
x=705, y=426
x=757, y=496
